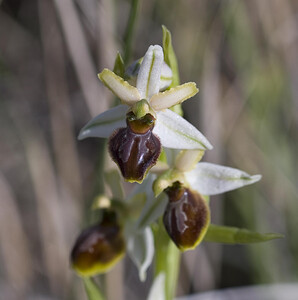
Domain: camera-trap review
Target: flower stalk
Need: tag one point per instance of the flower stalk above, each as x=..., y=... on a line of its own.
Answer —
x=167, y=260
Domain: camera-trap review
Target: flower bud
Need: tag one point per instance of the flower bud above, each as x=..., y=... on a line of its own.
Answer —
x=98, y=248
x=135, y=148
x=186, y=217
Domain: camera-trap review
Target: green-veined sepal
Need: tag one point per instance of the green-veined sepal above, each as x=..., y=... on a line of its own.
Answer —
x=212, y=179
x=105, y=124
x=175, y=132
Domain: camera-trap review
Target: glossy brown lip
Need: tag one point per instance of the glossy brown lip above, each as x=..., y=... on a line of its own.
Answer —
x=186, y=216
x=100, y=244
x=135, y=148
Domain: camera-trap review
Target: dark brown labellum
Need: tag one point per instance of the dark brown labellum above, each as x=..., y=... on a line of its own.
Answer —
x=97, y=249
x=186, y=217
x=135, y=148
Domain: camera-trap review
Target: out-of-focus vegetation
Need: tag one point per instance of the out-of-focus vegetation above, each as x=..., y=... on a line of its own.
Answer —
x=243, y=56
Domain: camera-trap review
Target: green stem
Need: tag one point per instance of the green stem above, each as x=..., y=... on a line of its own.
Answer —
x=129, y=32
x=92, y=290
x=167, y=260
x=167, y=255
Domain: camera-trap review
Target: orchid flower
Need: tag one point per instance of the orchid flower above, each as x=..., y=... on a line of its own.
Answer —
x=187, y=216
x=150, y=124
x=123, y=228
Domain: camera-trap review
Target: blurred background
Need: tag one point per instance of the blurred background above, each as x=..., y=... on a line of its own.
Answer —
x=244, y=57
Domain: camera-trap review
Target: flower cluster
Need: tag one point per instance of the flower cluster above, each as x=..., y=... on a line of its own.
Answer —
x=145, y=135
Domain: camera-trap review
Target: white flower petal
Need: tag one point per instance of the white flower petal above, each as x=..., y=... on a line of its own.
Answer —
x=175, y=132
x=149, y=73
x=212, y=179
x=140, y=248
x=104, y=124
x=166, y=77
x=157, y=290
x=121, y=88
x=173, y=96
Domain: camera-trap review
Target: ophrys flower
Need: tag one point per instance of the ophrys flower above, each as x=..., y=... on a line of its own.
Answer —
x=142, y=103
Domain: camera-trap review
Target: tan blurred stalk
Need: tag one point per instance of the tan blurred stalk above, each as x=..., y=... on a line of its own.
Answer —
x=64, y=142
x=51, y=215
x=14, y=244
x=80, y=54
x=24, y=63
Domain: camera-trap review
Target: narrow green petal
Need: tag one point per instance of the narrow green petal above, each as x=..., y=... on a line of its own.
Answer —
x=173, y=96
x=234, y=235
x=121, y=88
x=119, y=67
x=169, y=54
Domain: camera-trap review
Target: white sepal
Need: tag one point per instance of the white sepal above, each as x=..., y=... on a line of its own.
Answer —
x=212, y=179
x=175, y=95
x=187, y=160
x=166, y=75
x=104, y=124
x=157, y=291
x=175, y=132
x=149, y=73
x=140, y=247
x=121, y=88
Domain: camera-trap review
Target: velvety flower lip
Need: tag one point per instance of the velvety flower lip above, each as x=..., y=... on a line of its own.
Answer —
x=173, y=130
x=186, y=217
x=135, y=148
x=98, y=248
